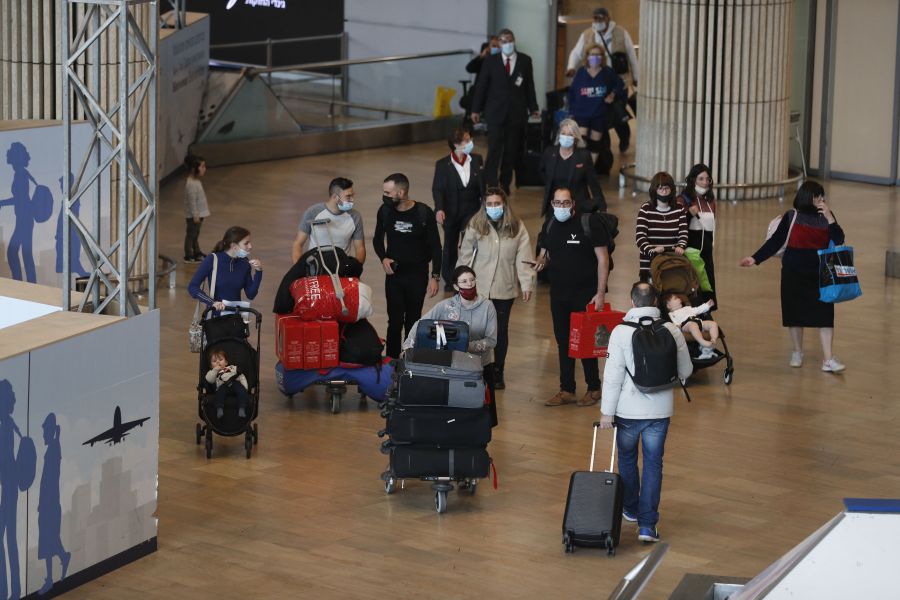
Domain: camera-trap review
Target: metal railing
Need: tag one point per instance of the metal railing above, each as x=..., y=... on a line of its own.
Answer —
x=270, y=44
x=795, y=178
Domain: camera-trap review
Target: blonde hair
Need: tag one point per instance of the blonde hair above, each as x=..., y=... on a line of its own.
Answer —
x=587, y=50
x=509, y=223
x=571, y=125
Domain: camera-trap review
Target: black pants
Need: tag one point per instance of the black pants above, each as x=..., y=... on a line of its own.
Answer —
x=562, y=304
x=453, y=226
x=605, y=157
x=191, y=236
x=503, y=308
x=504, y=150
x=488, y=374
x=232, y=388
x=405, y=294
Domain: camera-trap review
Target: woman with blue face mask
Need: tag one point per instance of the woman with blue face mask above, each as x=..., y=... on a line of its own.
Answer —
x=594, y=88
x=497, y=247
x=568, y=164
x=236, y=272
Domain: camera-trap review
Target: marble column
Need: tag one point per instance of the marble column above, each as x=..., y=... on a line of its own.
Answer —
x=715, y=89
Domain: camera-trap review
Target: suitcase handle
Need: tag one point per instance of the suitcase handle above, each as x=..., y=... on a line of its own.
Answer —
x=612, y=455
x=592, y=309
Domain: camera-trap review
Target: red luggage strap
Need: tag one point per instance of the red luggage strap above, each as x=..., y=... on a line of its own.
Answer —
x=494, y=473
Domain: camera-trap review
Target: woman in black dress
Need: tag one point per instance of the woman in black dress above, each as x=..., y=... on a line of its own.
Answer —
x=802, y=232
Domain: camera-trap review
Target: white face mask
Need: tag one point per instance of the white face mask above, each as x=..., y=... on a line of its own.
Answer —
x=596, y=26
x=700, y=190
x=566, y=141
x=508, y=48
x=241, y=253
x=562, y=214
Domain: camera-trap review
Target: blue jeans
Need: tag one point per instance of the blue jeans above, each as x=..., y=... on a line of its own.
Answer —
x=642, y=492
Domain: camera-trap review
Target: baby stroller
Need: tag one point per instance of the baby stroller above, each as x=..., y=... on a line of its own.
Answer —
x=672, y=273
x=230, y=334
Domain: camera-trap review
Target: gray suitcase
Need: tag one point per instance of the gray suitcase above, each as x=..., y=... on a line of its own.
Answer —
x=428, y=377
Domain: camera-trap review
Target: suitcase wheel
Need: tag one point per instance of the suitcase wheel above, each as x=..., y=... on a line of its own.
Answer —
x=390, y=484
x=567, y=542
x=610, y=548
x=336, y=402
x=440, y=501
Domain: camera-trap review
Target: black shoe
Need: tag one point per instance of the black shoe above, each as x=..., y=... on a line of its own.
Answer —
x=499, y=384
x=190, y=259
x=199, y=257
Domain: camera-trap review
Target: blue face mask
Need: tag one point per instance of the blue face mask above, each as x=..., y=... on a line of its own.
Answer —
x=495, y=50
x=494, y=212
x=467, y=149
x=562, y=214
x=345, y=205
x=508, y=48
x=241, y=253
x=566, y=141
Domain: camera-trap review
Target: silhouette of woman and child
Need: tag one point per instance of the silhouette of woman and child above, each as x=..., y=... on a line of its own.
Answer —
x=17, y=471
x=31, y=208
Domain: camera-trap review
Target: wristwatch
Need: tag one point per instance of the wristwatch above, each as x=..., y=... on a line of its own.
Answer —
x=436, y=276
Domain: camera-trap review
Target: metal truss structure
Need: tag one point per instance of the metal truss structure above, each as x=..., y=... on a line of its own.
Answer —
x=175, y=19
x=89, y=27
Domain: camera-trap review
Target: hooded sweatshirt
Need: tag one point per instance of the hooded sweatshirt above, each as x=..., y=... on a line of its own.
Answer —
x=620, y=397
x=480, y=316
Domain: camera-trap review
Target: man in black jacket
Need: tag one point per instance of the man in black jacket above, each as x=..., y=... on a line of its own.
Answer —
x=504, y=96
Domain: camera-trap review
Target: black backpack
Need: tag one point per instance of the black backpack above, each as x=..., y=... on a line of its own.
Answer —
x=655, y=356
x=360, y=344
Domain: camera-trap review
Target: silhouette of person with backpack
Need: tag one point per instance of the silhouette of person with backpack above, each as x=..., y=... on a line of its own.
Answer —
x=27, y=212
x=74, y=239
x=49, y=509
x=16, y=474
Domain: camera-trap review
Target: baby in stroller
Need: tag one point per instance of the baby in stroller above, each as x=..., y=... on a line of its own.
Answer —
x=685, y=316
x=227, y=381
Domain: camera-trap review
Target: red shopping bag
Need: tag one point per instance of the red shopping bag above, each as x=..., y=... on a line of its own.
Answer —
x=589, y=331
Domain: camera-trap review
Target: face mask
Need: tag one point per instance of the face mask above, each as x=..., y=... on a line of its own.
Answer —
x=562, y=214
x=593, y=61
x=467, y=149
x=468, y=293
x=494, y=212
x=566, y=141
x=495, y=50
x=596, y=26
x=241, y=253
x=508, y=48
x=665, y=199
x=345, y=205
x=700, y=190
x=385, y=199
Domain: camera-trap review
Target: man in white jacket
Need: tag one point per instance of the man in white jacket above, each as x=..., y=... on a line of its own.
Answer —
x=640, y=417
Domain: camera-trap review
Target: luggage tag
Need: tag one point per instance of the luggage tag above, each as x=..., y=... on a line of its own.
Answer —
x=519, y=81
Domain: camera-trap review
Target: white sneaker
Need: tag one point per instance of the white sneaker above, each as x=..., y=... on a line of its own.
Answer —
x=796, y=359
x=833, y=365
x=707, y=352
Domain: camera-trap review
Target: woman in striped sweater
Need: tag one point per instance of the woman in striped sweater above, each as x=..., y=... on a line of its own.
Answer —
x=662, y=225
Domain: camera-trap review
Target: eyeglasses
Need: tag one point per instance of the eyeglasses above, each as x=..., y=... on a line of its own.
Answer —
x=562, y=204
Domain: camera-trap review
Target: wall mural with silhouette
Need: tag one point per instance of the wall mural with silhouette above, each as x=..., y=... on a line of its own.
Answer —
x=31, y=184
x=67, y=504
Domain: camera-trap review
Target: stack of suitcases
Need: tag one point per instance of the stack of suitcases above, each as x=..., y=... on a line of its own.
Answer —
x=438, y=422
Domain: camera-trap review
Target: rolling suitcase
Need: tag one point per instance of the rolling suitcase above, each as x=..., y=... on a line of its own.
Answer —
x=427, y=377
x=439, y=426
x=452, y=335
x=408, y=462
x=593, y=515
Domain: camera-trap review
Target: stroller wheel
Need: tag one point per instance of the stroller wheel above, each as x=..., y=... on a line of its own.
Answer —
x=728, y=376
x=199, y=433
x=209, y=443
x=255, y=433
x=248, y=443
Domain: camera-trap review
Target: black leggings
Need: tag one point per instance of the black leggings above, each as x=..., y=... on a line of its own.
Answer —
x=503, y=308
x=232, y=388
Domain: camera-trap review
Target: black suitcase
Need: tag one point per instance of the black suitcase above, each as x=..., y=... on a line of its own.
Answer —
x=593, y=515
x=429, y=377
x=416, y=461
x=452, y=335
x=438, y=426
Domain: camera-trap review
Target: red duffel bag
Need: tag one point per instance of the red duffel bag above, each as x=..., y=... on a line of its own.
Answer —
x=589, y=331
x=315, y=299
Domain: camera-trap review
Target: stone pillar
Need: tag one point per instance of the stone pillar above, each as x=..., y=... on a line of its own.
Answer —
x=715, y=86
x=30, y=84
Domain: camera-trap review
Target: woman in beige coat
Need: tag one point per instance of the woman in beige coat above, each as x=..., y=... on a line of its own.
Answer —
x=497, y=247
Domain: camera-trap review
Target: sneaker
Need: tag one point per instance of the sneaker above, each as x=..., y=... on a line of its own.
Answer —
x=590, y=398
x=833, y=365
x=190, y=259
x=706, y=352
x=561, y=398
x=796, y=359
x=648, y=534
x=199, y=257
x=629, y=517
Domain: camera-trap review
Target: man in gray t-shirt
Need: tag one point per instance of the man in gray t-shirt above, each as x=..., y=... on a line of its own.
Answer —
x=344, y=228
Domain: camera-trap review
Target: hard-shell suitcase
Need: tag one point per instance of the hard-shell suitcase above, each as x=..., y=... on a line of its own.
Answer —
x=409, y=462
x=428, y=377
x=452, y=335
x=593, y=515
x=439, y=426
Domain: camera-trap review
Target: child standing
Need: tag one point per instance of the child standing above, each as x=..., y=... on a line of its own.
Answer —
x=195, y=207
x=685, y=317
x=224, y=377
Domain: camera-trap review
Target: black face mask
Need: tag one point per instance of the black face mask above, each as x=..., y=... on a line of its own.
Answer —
x=665, y=199
x=390, y=201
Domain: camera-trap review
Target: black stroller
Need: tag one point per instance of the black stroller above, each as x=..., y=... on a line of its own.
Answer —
x=230, y=334
x=672, y=273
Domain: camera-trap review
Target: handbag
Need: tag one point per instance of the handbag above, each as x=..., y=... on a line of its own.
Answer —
x=589, y=331
x=837, y=274
x=195, y=331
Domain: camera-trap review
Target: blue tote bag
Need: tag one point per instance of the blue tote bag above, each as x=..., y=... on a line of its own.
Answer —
x=837, y=274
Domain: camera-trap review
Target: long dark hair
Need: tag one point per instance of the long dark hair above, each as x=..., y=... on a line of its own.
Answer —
x=690, y=182
x=233, y=235
x=808, y=192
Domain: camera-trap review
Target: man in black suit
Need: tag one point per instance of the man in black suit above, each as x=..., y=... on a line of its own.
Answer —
x=457, y=189
x=504, y=95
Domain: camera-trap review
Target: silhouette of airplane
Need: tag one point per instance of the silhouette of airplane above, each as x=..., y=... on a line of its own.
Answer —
x=118, y=432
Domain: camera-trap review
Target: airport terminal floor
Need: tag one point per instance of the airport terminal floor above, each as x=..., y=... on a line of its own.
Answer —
x=750, y=470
